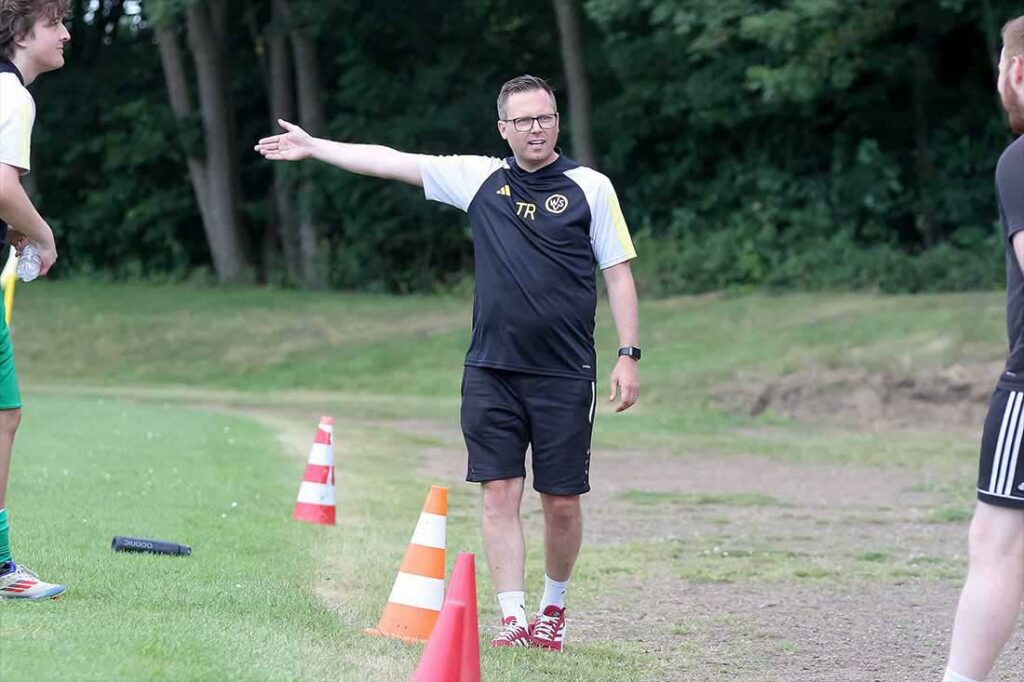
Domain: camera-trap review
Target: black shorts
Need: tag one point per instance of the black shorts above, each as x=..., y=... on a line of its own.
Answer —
x=504, y=412
x=1001, y=470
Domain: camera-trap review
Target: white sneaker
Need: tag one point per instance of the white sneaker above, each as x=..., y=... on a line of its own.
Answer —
x=21, y=583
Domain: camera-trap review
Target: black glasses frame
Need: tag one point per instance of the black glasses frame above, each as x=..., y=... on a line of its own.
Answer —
x=530, y=119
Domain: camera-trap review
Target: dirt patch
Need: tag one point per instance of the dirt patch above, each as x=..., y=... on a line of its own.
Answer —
x=785, y=633
x=748, y=631
x=956, y=396
x=800, y=492
x=892, y=629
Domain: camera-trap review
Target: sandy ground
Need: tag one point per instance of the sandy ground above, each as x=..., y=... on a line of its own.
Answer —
x=827, y=630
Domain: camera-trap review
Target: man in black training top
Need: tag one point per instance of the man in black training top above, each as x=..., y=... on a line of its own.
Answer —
x=990, y=601
x=541, y=225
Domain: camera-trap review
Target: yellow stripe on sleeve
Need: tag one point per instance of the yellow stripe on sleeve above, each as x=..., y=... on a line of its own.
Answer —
x=26, y=135
x=620, y=226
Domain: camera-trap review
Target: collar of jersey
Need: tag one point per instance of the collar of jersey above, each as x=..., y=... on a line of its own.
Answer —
x=7, y=66
x=559, y=165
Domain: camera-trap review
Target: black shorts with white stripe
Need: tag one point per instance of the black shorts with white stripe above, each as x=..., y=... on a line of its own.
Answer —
x=505, y=412
x=1001, y=469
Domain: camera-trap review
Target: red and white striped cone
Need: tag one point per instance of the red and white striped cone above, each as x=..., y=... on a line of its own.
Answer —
x=316, y=501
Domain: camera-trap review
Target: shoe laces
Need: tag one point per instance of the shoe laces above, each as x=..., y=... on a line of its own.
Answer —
x=511, y=631
x=24, y=570
x=546, y=626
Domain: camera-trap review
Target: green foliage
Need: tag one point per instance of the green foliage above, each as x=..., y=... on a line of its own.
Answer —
x=110, y=176
x=809, y=143
x=754, y=143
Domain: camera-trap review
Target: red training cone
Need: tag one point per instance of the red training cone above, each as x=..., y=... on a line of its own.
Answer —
x=442, y=657
x=316, y=502
x=462, y=589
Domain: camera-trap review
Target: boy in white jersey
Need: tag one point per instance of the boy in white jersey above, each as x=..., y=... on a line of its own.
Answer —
x=32, y=40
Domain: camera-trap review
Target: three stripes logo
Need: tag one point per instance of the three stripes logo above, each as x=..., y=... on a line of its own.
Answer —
x=505, y=191
x=20, y=586
x=1004, y=458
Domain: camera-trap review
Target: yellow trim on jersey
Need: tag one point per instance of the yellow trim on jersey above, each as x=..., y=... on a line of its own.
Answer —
x=620, y=226
x=8, y=278
x=26, y=136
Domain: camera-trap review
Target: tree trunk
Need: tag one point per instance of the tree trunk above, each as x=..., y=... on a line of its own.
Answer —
x=228, y=242
x=923, y=79
x=281, y=93
x=993, y=41
x=105, y=22
x=571, y=39
x=312, y=119
x=77, y=11
x=994, y=45
x=181, y=104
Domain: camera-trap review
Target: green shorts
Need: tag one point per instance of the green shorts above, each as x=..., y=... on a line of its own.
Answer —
x=10, y=396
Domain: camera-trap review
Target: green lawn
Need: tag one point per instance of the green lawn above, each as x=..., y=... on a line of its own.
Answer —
x=150, y=411
x=244, y=605
x=379, y=356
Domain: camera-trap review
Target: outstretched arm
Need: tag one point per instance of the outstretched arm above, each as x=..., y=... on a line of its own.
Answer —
x=365, y=159
x=622, y=298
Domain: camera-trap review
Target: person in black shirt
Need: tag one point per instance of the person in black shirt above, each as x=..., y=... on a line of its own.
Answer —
x=990, y=602
x=542, y=224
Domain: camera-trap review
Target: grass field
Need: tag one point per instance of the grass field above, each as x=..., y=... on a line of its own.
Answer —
x=719, y=545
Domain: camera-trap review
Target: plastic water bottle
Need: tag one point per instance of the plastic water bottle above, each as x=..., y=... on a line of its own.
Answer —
x=29, y=263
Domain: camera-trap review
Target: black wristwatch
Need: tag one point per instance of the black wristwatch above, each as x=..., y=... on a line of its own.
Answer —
x=630, y=352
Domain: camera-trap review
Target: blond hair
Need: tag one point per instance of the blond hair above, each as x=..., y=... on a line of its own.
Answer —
x=525, y=83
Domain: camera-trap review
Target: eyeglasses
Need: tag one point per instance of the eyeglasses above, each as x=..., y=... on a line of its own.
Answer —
x=524, y=124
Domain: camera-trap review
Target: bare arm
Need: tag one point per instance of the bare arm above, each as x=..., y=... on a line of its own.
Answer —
x=624, y=305
x=1018, y=248
x=365, y=159
x=16, y=210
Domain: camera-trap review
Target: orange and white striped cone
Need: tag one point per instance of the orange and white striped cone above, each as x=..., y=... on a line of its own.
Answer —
x=418, y=592
x=316, y=501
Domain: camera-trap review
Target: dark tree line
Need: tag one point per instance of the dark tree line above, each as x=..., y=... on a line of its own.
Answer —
x=753, y=142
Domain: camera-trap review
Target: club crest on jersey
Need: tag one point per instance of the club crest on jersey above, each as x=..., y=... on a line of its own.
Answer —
x=556, y=203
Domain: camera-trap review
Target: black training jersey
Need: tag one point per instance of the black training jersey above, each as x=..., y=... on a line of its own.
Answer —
x=537, y=239
x=1010, y=194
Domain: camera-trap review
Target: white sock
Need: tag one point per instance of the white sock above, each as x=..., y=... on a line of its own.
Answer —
x=554, y=593
x=513, y=604
x=953, y=676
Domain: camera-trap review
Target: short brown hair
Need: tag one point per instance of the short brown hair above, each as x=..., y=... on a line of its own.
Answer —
x=524, y=83
x=19, y=17
x=1013, y=37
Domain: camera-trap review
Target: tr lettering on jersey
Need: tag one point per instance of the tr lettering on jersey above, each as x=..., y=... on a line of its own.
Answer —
x=524, y=209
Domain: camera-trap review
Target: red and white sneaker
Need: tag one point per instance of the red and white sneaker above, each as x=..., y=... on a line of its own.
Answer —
x=512, y=634
x=21, y=583
x=547, y=630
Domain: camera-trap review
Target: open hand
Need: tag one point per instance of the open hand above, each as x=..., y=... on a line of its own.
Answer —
x=294, y=145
